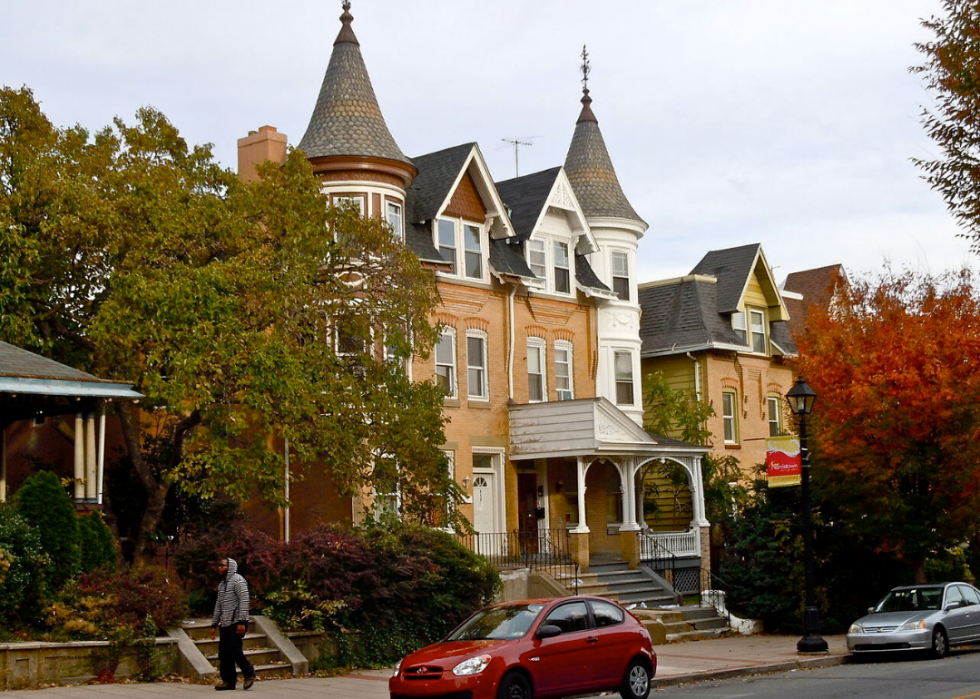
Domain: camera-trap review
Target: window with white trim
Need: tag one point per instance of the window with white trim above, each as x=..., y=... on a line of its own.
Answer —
x=446, y=363
x=357, y=201
x=623, y=362
x=757, y=325
x=536, y=385
x=537, y=258
x=563, y=267
x=393, y=214
x=620, y=264
x=729, y=416
x=550, y=258
x=563, y=370
x=476, y=365
x=738, y=325
x=775, y=415
x=462, y=244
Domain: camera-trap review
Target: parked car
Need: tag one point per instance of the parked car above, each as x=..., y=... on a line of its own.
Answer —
x=919, y=617
x=534, y=648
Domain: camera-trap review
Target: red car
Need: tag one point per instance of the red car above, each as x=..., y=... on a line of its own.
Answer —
x=534, y=648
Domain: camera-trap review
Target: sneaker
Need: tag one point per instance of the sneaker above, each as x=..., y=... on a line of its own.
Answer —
x=249, y=681
x=223, y=688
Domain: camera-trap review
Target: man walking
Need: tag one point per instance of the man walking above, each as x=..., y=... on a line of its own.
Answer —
x=231, y=620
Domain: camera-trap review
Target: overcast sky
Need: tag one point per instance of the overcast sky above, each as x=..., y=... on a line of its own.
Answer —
x=784, y=122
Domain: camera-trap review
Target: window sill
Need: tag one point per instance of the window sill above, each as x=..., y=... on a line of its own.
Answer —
x=450, y=402
x=733, y=446
x=479, y=403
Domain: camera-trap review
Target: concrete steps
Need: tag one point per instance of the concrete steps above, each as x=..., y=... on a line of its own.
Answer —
x=692, y=623
x=631, y=588
x=270, y=652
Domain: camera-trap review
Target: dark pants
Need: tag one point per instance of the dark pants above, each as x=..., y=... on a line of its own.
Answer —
x=230, y=654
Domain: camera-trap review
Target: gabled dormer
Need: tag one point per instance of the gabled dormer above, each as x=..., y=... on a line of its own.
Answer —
x=455, y=212
x=748, y=297
x=553, y=236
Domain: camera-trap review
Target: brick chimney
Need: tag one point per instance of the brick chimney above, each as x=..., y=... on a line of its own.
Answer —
x=257, y=147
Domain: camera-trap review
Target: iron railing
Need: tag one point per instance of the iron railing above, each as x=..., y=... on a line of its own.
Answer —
x=545, y=549
x=656, y=556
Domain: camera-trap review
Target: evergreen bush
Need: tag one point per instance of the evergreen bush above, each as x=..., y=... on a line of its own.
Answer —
x=23, y=571
x=97, y=547
x=46, y=506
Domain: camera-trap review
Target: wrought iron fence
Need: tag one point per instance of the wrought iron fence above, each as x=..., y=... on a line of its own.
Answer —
x=545, y=549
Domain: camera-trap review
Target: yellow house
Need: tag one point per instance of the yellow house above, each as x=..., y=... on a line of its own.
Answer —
x=722, y=332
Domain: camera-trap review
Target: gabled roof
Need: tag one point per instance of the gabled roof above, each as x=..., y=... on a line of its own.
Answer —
x=683, y=315
x=591, y=173
x=432, y=187
x=347, y=120
x=527, y=197
x=734, y=268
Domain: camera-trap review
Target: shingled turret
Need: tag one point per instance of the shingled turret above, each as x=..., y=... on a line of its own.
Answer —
x=347, y=122
x=589, y=168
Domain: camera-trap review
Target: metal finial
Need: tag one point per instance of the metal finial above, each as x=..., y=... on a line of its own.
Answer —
x=346, y=5
x=586, y=69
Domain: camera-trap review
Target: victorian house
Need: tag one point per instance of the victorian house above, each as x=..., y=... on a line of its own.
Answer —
x=722, y=333
x=540, y=352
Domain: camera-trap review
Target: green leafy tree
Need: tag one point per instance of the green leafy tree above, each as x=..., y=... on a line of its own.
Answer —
x=24, y=586
x=244, y=312
x=953, y=120
x=45, y=505
x=678, y=413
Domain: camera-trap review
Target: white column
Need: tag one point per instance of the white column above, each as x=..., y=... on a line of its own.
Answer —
x=697, y=490
x=91, y=475
x=3, y=464
x=79, y=458
x=583, y=466
x=627, y=472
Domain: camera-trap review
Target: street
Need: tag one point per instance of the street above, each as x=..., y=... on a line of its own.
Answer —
x=956, y=677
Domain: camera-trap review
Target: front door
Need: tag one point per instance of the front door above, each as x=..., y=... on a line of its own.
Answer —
x=527, y=511
x=484, y=503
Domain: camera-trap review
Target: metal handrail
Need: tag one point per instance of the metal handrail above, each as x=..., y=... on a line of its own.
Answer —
x=545, y=550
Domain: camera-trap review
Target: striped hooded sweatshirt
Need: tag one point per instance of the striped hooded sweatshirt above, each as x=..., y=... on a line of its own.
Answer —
x=232, y=605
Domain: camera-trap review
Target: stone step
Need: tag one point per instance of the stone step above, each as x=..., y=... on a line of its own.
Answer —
x=695, y=635
x=256, y=656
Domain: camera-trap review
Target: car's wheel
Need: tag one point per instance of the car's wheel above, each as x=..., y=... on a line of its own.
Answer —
x=940, y=644
x=636, y=680
x=514, y=685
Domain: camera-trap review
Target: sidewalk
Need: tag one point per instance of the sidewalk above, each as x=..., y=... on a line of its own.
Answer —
x=692, y=661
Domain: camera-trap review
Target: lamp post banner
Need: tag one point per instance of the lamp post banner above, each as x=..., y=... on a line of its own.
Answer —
x=783, y=462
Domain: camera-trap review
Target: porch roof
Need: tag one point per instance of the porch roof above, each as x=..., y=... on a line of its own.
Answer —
x=585, y=427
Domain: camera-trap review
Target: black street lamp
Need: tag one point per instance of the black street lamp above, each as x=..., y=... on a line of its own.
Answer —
x=801, y=398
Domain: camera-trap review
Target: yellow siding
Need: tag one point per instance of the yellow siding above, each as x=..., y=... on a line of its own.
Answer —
x=754, y=296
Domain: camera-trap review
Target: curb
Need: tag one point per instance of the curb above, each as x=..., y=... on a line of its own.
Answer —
x=730, y=673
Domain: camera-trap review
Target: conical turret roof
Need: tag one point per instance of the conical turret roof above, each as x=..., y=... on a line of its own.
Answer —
x=347, y=120
x=590, y=170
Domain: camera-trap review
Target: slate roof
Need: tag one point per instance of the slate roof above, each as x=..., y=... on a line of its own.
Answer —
x=731, y=267
x=507, y=257
x=527, y=196
x=681, y=315
x=18, y=362
x=586, y=276
x=590, y=170
x=347, y=119
x=437, y=174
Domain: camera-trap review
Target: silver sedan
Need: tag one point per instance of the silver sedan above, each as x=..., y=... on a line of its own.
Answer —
x=919, y=617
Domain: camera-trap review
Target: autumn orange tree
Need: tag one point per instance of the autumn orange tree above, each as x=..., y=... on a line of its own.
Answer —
x=895, y=435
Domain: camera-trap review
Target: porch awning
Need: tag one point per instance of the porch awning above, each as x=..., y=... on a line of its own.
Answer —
x=585, y=427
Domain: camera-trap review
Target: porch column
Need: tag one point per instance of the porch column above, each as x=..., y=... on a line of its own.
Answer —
x=578, y=538
x=79, y=458
x=91, y=476
x=629, y=538
x=697, y=490
x=3, y=464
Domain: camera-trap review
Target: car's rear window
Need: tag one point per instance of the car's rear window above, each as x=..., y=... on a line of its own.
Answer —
x=607, y=613
x=510, y=621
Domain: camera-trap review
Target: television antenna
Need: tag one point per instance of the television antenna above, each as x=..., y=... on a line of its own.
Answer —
x=517, y=143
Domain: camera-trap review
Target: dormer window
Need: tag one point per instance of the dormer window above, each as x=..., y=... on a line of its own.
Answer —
x=461, y=244
x=750, y=328
x=563, y=283
x=738, y=325
x=550, y=259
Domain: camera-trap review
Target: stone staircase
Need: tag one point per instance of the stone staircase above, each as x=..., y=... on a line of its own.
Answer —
x=637, y=587
x=650, y=599
x=270, y=652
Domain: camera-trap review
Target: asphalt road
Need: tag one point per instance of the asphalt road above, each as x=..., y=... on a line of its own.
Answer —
x=955, y=677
